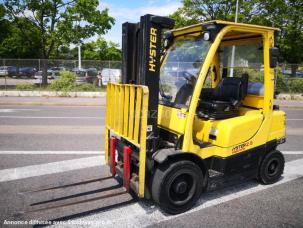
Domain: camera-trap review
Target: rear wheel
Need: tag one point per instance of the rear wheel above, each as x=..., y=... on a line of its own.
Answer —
x=177, y=186
x=271, y=168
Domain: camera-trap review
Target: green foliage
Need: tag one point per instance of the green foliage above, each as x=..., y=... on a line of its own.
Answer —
x=286, y=85
x=25, y=86
x=101, y=50
x=288, y=16
x=65, y=83
x=20, y=40
x=4, y=24
x=255, y=74
x=182, y=19
x=281, y=84
x=197, y=11
x=284, y=14
x=58, y=22
x=86, y=87
x=296, y=85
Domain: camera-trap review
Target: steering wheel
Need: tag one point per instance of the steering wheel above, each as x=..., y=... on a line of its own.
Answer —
x=190, y=78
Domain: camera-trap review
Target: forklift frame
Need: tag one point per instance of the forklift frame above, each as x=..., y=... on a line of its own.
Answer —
x=133, y=131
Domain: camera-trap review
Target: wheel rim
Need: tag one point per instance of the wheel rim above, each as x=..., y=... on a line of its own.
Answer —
x=273, y=167
x=181, y=188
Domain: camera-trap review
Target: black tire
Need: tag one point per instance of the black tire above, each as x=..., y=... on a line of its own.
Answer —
x=271, y=167
x=177, y=186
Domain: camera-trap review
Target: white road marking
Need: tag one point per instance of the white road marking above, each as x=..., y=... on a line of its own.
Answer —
x=6, y=110
x=293, y=152
x=42, y=152
x=294, y=131
x=142, y=215
x=52, y=117
x=50, y=168
x=9, y=110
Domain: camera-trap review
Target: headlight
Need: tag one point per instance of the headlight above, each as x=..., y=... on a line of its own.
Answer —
x=166, y=43
x=206, y=36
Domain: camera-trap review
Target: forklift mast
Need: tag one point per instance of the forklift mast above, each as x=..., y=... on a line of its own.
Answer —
x=141, y=48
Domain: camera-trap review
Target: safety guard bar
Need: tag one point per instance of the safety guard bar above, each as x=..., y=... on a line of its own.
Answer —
x=126, y=117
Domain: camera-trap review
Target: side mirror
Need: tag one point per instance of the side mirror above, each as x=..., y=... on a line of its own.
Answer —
x=273, y=55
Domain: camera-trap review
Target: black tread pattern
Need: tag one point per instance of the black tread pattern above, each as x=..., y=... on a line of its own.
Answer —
x=162, y=174
x=261, y=174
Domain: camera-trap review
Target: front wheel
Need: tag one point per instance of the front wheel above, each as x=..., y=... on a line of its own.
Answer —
x=177, y=186
x=271, y=167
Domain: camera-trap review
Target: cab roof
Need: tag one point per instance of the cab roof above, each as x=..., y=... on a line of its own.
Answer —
x=242, y=24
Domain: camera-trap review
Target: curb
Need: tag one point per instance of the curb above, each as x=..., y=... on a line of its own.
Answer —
x=51, y=94
x=290, y=97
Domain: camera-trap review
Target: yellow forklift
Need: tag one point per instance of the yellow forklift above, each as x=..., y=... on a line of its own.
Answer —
x=194, y=103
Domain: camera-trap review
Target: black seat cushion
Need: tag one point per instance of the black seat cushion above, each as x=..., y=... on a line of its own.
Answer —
x=225, y=100
x=215, y=105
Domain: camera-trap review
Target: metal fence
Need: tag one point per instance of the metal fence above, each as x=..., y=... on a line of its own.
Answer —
x=15, y=72
x=23, y=71
x=68, y=64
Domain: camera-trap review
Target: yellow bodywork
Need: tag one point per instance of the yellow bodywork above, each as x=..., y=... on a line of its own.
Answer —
x=257, y=124
x=252, y=127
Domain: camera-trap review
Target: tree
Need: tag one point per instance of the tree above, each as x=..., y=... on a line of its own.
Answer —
x=101, y=50
x=284, y=14
x=197, y=11
x=59, y=22
x=14, y=42
x=13, y=38
x=288, y=16
x=4, y=24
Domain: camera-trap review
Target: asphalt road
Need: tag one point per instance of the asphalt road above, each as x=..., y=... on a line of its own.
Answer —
x=55, y=152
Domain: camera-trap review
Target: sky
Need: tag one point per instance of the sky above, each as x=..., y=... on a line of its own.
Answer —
x=131, y=10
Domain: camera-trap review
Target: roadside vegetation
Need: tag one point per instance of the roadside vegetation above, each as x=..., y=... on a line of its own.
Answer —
x=65, y=83
x=26, y=87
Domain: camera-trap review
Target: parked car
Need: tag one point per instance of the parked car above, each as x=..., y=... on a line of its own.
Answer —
x=51, y=76
x=288, y=72
x=109, y=75
x=86, y=75
x=27, y=71
x=55, y=71
x=8, y=71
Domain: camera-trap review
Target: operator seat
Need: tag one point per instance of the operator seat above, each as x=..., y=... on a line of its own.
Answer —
x=225, y=100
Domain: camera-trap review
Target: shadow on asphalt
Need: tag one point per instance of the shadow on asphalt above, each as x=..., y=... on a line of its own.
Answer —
x=65, y=201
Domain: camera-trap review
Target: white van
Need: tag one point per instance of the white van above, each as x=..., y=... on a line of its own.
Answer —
x=109, y=75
